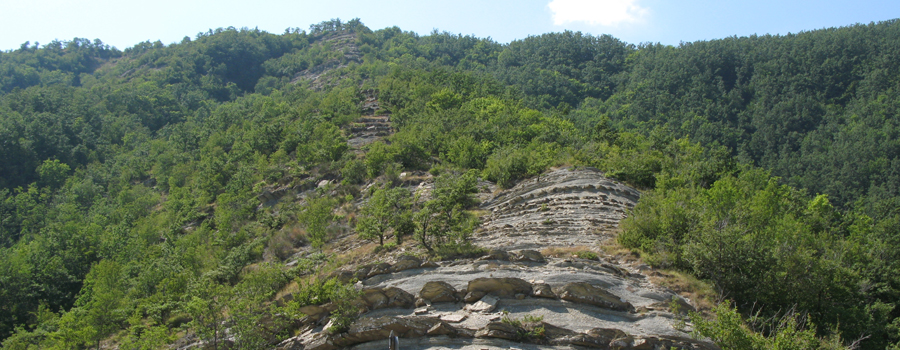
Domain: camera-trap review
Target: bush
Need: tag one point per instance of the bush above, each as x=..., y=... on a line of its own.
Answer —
x=354, y=171
x=529, y=328
x=346, y=311
x=320, y=292
x=728, y=330
x=586, y=254
x=316, y=217
x=508, y=165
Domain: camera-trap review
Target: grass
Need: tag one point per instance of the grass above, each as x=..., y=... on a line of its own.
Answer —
x=479, y=213
x=612, y=248
x=579, y=251
x=702, y=293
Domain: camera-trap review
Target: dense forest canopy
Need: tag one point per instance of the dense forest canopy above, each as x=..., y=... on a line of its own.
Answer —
x=130, y=181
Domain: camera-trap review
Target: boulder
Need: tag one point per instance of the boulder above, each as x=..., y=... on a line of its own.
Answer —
x=675, y=305
x=583, y=292
x=319, y=342
x=362, y=272
x=550, y=331
x=485, y=305
x=543, y=290
x=498, y=330
x=343, y=276
x=379, y=269
x=502, y=287
x=378, y=298
x=406, y=262
x=473, y=297
x=374, y=298
x=438, y=291
x=314, y=311
x=293, y=343
x=496, y=254
x=399, y=298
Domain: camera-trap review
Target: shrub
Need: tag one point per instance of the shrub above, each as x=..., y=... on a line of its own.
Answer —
x=586, y=254
x=529, y=328
x=728, y=330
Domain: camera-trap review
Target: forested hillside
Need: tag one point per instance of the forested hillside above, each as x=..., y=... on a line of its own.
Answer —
x=140, y=189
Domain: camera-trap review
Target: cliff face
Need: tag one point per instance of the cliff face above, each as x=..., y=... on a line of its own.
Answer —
x=566, y=207
x=516, y=296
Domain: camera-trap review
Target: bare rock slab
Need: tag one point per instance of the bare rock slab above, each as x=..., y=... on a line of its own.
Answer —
x=453, y=318
x=583, y=292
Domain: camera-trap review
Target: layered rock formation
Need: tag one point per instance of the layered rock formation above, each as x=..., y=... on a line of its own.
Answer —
x=514, y=296
x=371, y=126
x=564, y=207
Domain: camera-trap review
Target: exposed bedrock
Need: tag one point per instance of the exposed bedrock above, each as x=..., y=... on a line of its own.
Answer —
x=563, y=207
x=513, y=296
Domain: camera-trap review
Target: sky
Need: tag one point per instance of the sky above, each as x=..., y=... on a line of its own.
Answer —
x=125, y=23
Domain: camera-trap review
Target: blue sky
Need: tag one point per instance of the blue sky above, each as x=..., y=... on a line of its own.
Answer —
x=125, y=23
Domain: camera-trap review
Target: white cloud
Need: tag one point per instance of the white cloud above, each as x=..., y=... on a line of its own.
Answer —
x=596, y=12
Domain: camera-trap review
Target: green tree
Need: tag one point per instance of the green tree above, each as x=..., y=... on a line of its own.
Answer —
x=443, y=219
x=386, y=210
x=52, y=173
x=316, y=216
x=206, y=303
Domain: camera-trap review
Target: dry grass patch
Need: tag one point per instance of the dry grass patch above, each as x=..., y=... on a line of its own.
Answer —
x=613, y=249
x=362, y=254
x=290, y=288
x=480, y=213
x=566, y=252
x=702, y=293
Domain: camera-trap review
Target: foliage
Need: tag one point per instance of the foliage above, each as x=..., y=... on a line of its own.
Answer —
x=443, y=219
x=729, y=332
x=586, y=254
x=346, y=308
x=316, y=216
x=387, y=209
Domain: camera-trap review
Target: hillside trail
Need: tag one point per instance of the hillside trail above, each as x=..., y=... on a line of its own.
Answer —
x=515, y=296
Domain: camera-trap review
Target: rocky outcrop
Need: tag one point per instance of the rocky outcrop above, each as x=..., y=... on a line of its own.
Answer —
x=582, y=292
x=501, y=287
x=543, y=290
x=390, y=297
x=373, y=125
x=498, y=330
x=438, y=292
x=369, y=329
x=514, y=296
x=564, y=207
